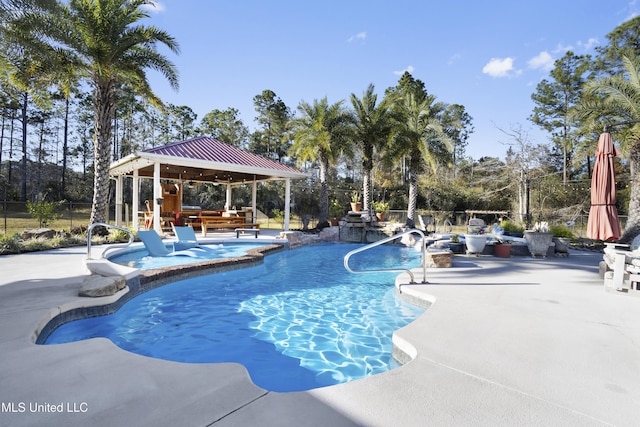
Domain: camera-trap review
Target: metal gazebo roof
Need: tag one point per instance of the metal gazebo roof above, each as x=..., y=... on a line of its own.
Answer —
x=204, y=159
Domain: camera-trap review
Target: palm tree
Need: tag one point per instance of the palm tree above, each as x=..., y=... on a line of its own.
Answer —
x=617, y=98
x=322, y=133
x=420, y=136
x=103, y=42
x=373, y=125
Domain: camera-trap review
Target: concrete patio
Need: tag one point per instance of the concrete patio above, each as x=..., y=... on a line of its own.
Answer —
x=506, y=342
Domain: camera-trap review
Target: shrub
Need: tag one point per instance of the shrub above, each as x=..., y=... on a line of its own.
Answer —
x=561, y=231
x=511, y=227
x=336, y=210
x=10, y=244
x=380, y=206
x=44, y=211
x=118, y=236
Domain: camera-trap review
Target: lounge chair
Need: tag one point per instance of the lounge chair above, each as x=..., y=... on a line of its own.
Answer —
x=154, y=245
x=187, y=239
x=624, y=266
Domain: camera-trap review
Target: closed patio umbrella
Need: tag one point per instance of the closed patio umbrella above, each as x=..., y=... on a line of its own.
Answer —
x=604, y=223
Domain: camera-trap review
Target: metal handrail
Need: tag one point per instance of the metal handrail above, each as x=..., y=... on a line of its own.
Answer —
x=104, y=224
x=391, y=270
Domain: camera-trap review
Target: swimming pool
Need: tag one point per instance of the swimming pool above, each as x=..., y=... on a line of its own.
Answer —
x=296, y=322
x=140, y=258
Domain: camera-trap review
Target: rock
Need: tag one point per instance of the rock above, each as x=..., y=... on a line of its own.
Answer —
x=44, y=233
x=438, y=259
x=329, y=234
x=298, y=238
x=100, y=286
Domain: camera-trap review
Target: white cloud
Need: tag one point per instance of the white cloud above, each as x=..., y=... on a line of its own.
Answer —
x=498, y=67
x=562, y=49
x=589, y=44
x=544, y=60
x=454, y=58
x=362, y=35
x=632, y=10
x=409, y=69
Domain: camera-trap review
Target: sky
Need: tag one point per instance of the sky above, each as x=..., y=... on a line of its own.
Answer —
x=485, y=55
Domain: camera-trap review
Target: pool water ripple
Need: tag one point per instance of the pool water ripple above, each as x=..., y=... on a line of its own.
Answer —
x=296, y=322
x=140, y=258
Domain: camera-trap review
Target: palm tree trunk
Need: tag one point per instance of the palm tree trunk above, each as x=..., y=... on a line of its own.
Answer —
x=65, y=149
x=413, y=198
x=23, y=177
x=366, y=188
x=632, y=228
x=367, y=166
x=105, y=106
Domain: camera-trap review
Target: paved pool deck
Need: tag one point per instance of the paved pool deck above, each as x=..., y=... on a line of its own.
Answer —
x=505, y=342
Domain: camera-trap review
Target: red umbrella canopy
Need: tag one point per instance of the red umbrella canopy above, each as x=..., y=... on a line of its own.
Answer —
x=604, y=223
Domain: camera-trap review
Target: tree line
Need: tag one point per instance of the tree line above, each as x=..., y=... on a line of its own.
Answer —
x=74, y=97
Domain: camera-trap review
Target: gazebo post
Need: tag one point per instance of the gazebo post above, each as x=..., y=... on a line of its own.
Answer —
x=119, y=200
x=157, y=194
x=135, y=200
x=287, y=203
x=227, y=203
x=254, y=199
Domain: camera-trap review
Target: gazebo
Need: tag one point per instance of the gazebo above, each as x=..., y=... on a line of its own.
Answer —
x=200, y=159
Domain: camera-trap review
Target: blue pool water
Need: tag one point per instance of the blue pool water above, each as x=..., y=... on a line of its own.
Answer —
x=141, y=259
x=299, y=321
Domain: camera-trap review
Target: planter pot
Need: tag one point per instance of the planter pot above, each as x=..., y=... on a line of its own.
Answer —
x=356, y=206
x=334, y=221
x=502, y=250
x=475, y=243
x=456, y=247
x=513, y=234
x=538, y=242
x=562, y=244
x=381, y=216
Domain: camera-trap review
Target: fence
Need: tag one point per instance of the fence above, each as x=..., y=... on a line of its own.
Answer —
x=16, y=218
x=460, y=219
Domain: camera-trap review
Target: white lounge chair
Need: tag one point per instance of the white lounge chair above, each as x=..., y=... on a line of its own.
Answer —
x=624, y=266
x=154, y=245
x=187, y=239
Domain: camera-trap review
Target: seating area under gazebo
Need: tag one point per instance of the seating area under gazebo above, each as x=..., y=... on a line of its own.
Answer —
x=201, y=159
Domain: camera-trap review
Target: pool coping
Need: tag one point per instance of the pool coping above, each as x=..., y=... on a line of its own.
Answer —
x=140, y=281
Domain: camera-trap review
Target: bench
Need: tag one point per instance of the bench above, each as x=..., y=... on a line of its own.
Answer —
x=255, y=231
x=218, y=225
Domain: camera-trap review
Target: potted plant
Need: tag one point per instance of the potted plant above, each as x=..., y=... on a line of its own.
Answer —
x=512, y=229
x=455, y=244
x=539, y=239
x=475, y=242
x=381, y=209
x=502, y=248
x=562, y=236
x=356, y=204
x=336, y=211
